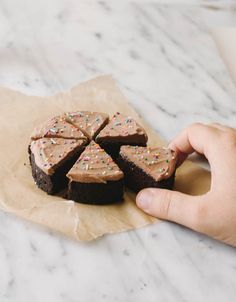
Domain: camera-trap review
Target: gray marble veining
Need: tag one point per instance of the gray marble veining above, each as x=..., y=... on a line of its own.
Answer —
x=165, y=61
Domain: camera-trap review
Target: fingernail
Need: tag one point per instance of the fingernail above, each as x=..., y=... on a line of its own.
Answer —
x=171, y=146
x=144, y=199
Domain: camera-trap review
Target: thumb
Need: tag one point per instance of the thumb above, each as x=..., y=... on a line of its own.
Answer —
x=173, y=206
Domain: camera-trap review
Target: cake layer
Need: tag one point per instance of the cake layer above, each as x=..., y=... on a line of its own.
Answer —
x=123, y=130
x=95, y=178
x=89, y=122
x=158, y=162
x=49, y=153
x=137, y=179
x=57, y=127
x=94, y=166
x=145, y=167
x=96, y=193
x=51, y=159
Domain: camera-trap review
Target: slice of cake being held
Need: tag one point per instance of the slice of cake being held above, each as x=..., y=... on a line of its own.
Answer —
x=146, y=167
x=95, y=178
x=51, y=159
x=90, y=123
x=57, y=127
x=121, y=130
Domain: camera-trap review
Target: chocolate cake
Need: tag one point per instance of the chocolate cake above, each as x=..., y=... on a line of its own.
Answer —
x=51, y=159
x=60, y=159
x=121, y=130
x=57, y=127
x=90, y=123
x=145, y=167
x=95, y=178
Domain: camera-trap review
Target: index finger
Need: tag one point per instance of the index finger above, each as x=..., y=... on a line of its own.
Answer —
x=197, y=137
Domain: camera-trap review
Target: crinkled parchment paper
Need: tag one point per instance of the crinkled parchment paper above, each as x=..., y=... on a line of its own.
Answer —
x=225, y=38
x=18, y=193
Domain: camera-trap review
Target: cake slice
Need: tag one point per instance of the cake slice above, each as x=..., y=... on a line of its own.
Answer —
x=121, y=130
x=51, y=159
x=95, y=178
x=145, y=167
x=90, y=123
x=57, y=127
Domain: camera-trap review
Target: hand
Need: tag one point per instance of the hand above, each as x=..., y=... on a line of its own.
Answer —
x=213, y=213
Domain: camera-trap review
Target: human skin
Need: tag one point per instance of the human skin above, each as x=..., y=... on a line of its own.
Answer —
x=213, y=213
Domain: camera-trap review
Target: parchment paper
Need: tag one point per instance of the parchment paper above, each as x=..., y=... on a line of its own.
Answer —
x=225, y=39
x=18, y=193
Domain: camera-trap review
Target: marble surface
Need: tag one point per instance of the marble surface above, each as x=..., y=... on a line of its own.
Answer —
x=165, y=61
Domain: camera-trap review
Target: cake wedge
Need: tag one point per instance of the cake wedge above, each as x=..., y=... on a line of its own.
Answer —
x=95, y=178
x=89, y=122
x=57, y=127
x=146, y=167
x=51, y=159
x=121, y=130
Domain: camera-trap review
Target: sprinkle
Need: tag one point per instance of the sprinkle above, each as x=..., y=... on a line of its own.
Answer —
x=104, y=172
x=86, y=158
x=167, y=160
x=52, y=141
x=161, y=169
x=54, y=130
x=128, y=120
x=87, y=167
x=51, y=155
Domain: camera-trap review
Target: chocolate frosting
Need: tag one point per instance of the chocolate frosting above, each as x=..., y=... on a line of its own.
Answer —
x=57, y=127
x=157, y=162
x=94, y=166
x=51, y=152
x=122, y=129
x=90, y=123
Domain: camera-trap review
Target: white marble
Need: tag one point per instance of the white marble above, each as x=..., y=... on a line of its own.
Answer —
x=165, y=61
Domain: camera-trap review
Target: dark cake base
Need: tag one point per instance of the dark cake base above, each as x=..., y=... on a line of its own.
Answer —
x=113, y=149
x=137, y=179
x=96, y=193
x=58, y=181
